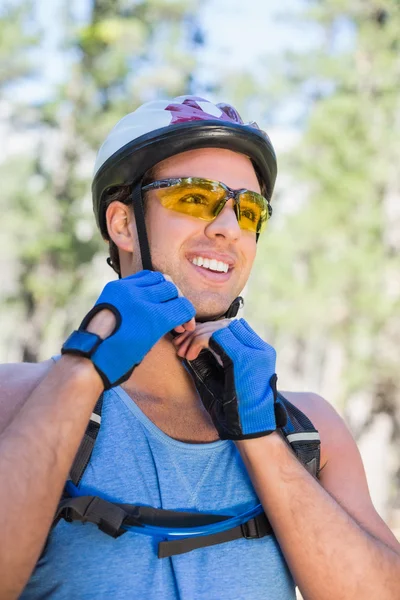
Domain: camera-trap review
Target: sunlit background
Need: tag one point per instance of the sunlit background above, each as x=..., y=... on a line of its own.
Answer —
x=322, y=77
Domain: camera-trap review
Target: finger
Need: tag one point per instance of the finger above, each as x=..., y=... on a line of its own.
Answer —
x=190, y=343
x=191, y=348
x=179, y=329
x=180, y=338
x=193, y=344
x=196, y=346
x=194, y=350
x=183, y=347
x=192, y=353
x=190, y=325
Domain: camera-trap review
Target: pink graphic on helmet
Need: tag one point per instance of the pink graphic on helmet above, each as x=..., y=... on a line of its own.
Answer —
x=190, y=110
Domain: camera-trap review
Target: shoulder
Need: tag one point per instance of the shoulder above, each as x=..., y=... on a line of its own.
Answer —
x=17, y=381
x=326, y=420
x=343, y=475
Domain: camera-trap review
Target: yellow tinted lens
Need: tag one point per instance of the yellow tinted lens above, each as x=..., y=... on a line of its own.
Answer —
x=253, y=211
x=193, y=197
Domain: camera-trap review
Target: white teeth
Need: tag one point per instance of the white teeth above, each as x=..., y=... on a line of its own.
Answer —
x=211, y=263
x=222, y=267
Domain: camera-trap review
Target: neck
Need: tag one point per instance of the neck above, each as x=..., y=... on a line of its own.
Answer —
x=162, y=375
x=165, y=392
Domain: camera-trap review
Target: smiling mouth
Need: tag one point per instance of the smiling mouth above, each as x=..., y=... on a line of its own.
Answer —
x=211, y=264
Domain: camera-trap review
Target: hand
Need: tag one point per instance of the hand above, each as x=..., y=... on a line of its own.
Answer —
x=190, y=343
x=239, y=392
x=145, y=307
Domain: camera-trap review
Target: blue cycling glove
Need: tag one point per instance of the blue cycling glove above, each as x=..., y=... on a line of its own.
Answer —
x=146, y=307
x=240, y=396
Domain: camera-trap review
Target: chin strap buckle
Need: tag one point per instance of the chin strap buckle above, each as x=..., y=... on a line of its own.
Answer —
x=234, y=308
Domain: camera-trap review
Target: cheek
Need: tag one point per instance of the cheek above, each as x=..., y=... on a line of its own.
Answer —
x=168, y=230
x=249, y=248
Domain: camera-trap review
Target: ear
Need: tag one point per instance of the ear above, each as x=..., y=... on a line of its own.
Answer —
x=120, y=223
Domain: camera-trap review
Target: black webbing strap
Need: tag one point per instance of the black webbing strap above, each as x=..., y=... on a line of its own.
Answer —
x=110, y=518
x=96, y=510
x=87, y=444
x=302, y=437
x=254, y=529
x=107, y=516
x=137, y=202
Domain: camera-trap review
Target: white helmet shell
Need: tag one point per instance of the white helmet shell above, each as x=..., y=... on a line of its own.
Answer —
x=164, y=128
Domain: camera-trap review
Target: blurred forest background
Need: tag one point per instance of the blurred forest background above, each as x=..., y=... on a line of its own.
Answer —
x=326, y=287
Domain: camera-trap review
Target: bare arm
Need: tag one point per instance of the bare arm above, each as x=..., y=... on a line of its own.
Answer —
x=17, y=382
x=36, y=452
x=37, y=446
x=332, y=538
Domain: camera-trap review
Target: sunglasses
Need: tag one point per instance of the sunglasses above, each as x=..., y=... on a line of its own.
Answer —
x=205, y=199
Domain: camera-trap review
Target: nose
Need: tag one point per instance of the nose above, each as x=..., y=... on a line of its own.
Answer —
x=225, y=225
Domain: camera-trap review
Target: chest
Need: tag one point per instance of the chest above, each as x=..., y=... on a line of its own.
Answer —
x=187, y=422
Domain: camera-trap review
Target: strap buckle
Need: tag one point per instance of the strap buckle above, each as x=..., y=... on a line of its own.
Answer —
x=256, y=528
x=250, y=530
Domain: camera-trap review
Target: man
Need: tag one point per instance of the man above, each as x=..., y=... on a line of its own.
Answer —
x=191, y=420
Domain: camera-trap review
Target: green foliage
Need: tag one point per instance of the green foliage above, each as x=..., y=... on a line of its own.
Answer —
x=127, y=52
x=329, y=267
x=16, y=38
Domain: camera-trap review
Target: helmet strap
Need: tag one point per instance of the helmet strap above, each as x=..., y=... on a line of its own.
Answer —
x=137, y=202
x=234, y=308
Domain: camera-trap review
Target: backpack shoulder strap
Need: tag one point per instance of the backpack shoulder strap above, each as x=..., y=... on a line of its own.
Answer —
x=114, y=519
x=302, y=437
x=299, y=432
x=86, y=448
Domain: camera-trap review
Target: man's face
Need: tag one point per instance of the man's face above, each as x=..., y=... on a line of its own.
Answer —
x=177, y=239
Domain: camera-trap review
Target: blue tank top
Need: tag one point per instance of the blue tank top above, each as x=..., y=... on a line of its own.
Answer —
x=135, y=462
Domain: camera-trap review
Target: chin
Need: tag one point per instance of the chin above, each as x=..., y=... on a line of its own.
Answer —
x=209, y=309
x=209, y=304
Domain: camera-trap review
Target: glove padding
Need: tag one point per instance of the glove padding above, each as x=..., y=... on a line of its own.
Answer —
x=240, y=395
x=146, y=307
